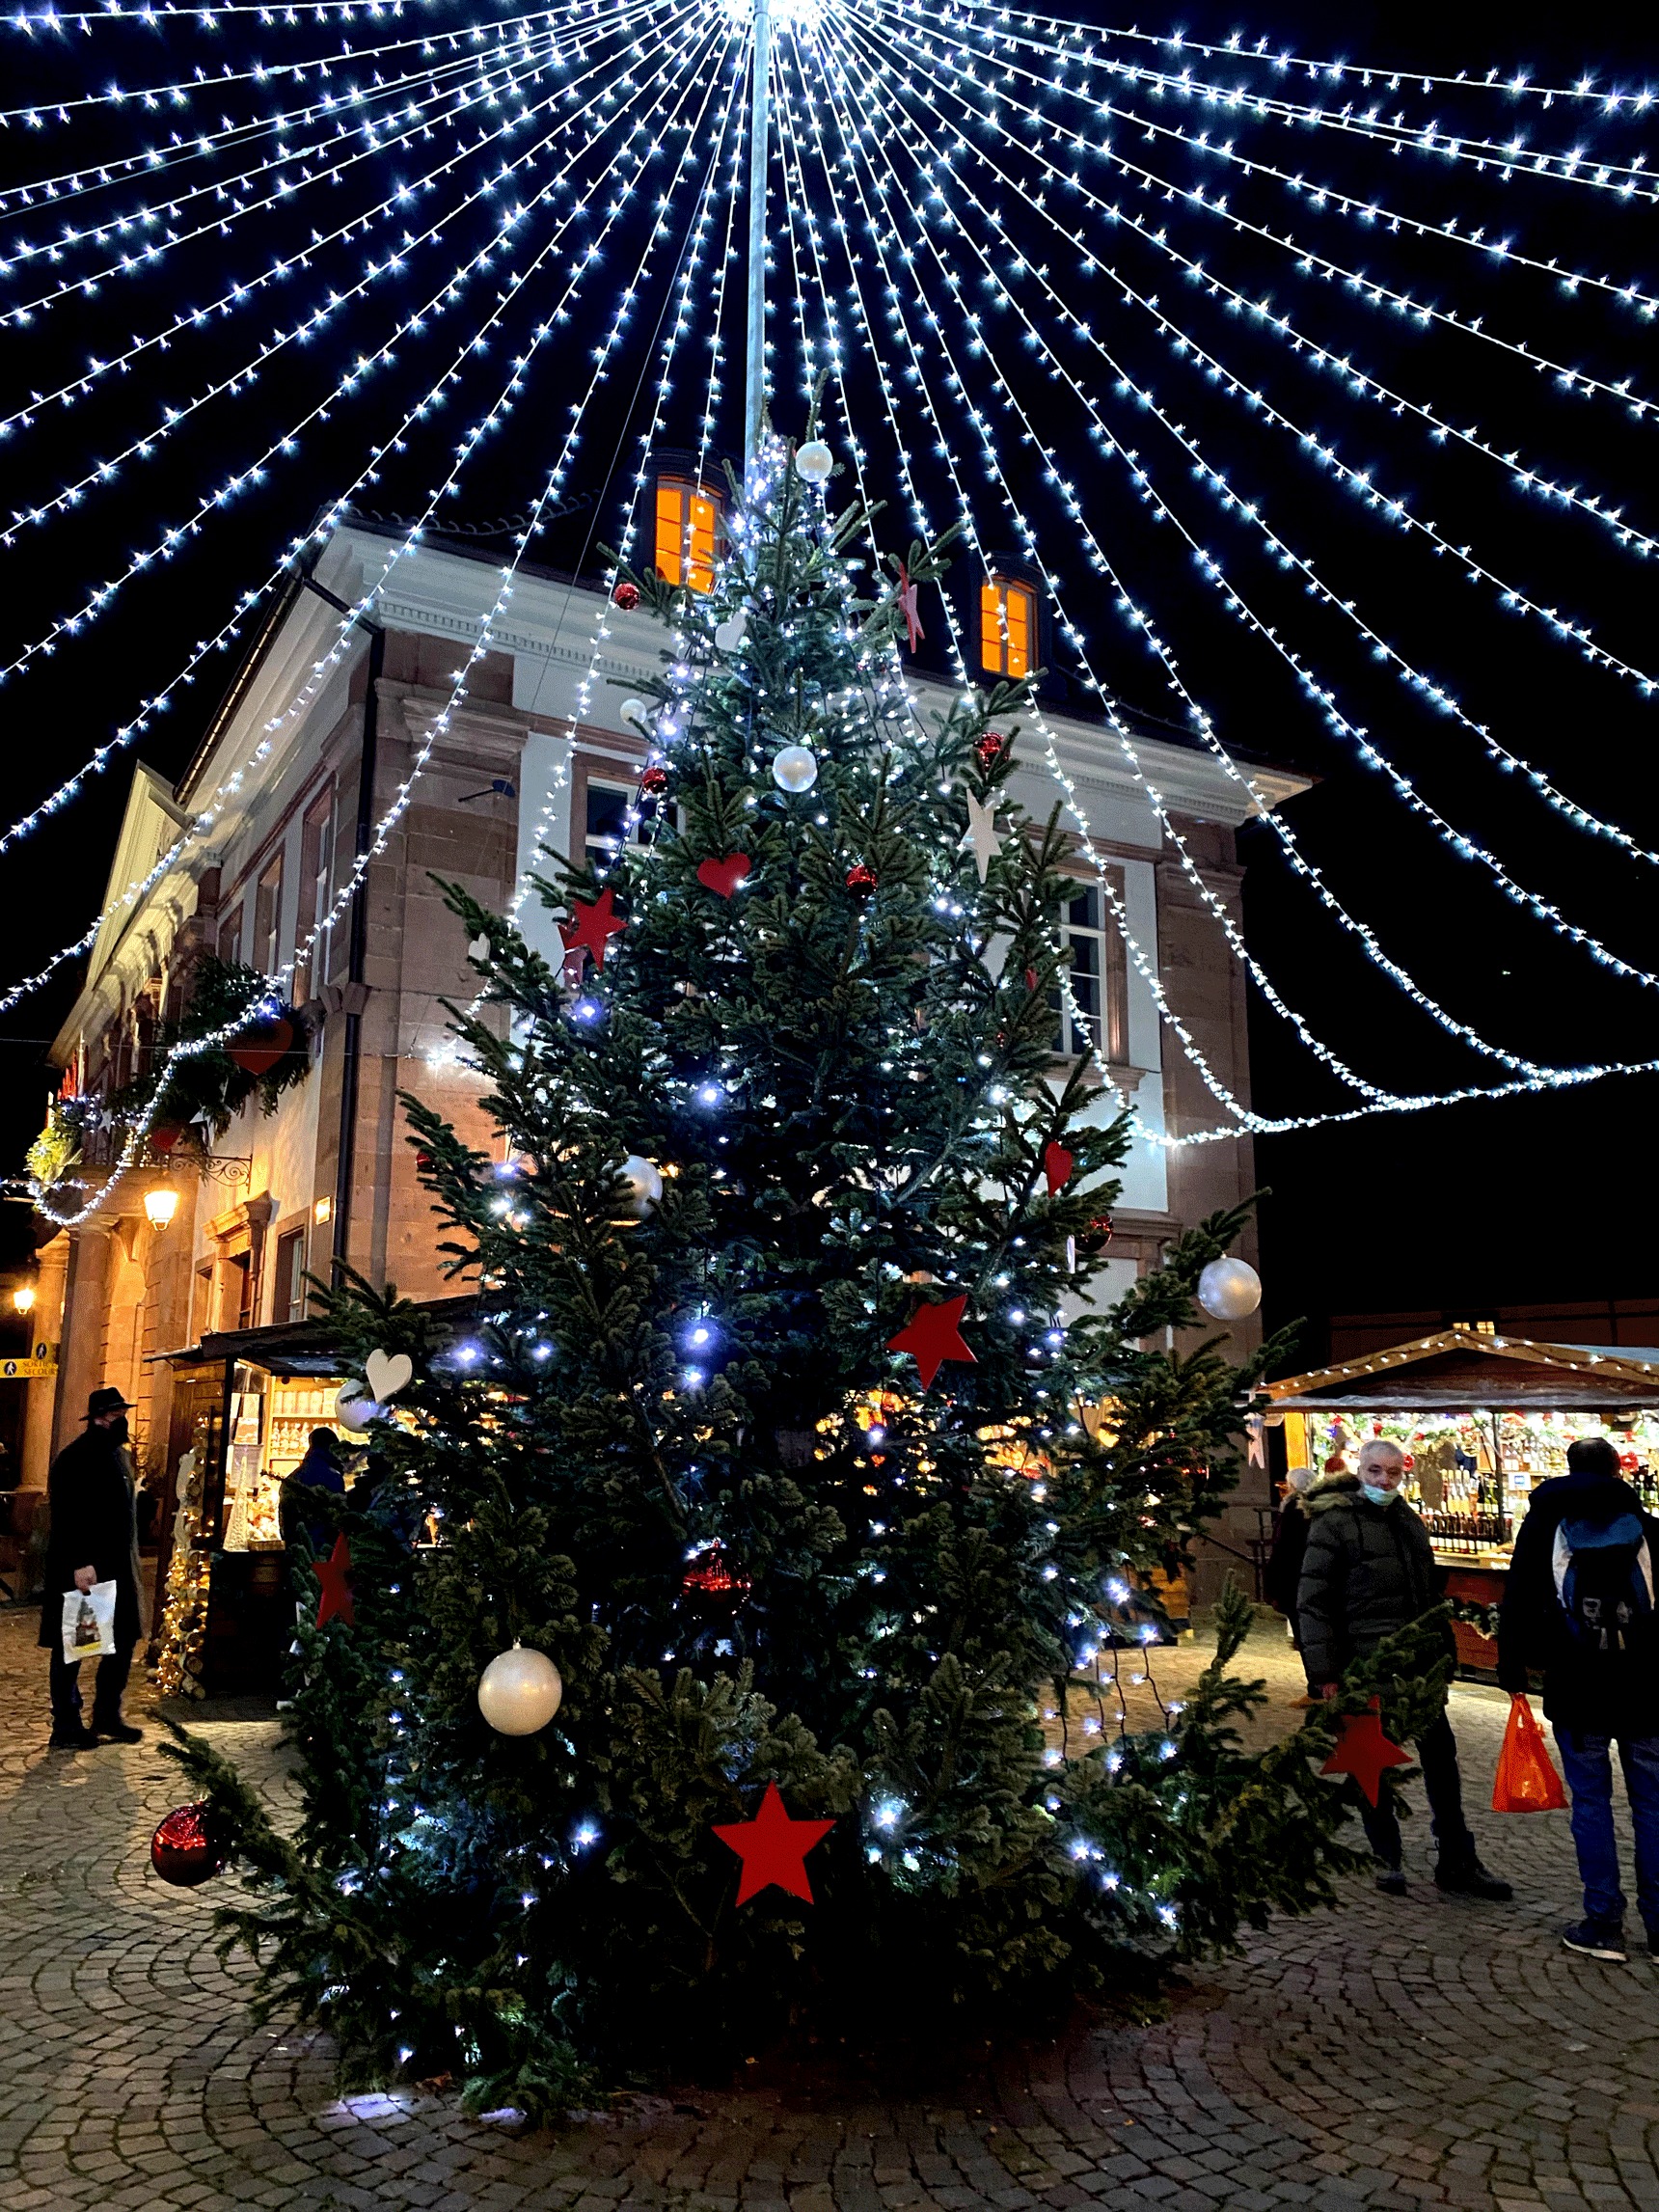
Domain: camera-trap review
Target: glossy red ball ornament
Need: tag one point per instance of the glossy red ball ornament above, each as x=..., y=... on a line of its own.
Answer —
x=627, y=597
x=1096, y=1235
x=861, y=881
x=653, y=780
x=711, y=1585
x=989, y=750
x=186, y=1849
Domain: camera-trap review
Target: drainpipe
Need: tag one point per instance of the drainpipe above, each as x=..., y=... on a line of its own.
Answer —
x=358, y=943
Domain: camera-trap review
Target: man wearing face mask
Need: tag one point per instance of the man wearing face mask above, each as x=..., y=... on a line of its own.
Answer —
x=92, y=1536
x=1368, y=1571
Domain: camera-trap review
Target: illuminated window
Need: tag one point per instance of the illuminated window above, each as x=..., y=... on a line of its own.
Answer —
x=688, y=528
x=1007, y=626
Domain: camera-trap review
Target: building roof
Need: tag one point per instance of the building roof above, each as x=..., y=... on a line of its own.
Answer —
x=1461, y=1370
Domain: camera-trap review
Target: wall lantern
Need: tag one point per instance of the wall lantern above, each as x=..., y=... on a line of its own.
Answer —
x=24, y=1298
x=160, y=1205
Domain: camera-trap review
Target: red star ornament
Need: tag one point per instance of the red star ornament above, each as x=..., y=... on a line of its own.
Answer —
x=908, y=607
x=592, y=924
x=932, y=1335
x=336, y=1596
x=773, y=1848
x=1057, y=1166
x=1363, y=1751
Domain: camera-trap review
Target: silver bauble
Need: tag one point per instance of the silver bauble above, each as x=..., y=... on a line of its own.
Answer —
x=353, y=1410
x=643, y=1186
x=1229, y=1289
x=636, y=712
x=519, y=1691
x=795, y=769
x=814, y=461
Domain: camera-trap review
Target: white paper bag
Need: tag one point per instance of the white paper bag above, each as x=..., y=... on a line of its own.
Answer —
x=89, y=1624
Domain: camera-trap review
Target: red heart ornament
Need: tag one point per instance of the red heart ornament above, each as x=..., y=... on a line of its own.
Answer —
x=723, y=875
x=1057, y=1164
x=260, y=1050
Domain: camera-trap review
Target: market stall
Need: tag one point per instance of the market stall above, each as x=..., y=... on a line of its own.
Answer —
x=243, y=1408
x=1482, y=1419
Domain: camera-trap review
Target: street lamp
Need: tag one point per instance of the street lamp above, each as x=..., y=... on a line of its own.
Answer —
x=24, y=1298
x=160, y=1205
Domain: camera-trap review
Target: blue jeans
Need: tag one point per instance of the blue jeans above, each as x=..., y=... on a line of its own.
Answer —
x=1588, y=1764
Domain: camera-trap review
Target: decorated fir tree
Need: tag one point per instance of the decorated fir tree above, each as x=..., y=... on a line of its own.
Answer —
x=786, y=1432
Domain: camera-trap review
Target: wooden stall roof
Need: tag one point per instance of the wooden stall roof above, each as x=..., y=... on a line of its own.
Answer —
x=1461, y=1369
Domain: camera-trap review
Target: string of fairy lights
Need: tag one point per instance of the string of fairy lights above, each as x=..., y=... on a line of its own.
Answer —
x=577, y=171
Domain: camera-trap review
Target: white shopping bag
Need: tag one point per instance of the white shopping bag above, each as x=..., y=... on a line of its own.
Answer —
x=89, y=1624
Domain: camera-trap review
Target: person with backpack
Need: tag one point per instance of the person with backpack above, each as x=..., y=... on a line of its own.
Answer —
x=1579, y=1604
x=1368, y=1571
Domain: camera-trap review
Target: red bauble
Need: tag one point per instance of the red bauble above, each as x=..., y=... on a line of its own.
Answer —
x=989, y=750
x=258, y=1050
x=861, y=881
x=710, y=1577
x=186, y=1849
x=652, y=782
x=627, y=597
x=1096, y=1235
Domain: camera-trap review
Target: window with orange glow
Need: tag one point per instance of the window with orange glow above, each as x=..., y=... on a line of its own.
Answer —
x=1007, y=626
x=687, y=527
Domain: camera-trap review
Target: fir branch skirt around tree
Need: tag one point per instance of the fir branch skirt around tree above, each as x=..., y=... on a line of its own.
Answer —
x=791, y=1098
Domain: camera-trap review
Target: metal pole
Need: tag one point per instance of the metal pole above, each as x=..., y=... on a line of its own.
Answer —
x=759, y=150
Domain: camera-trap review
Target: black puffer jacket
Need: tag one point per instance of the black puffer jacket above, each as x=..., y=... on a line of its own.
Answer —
x=1368, y=1572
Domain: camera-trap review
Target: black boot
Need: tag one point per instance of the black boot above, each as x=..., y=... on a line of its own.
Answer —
x=70, y=1735
x=118, y=1729
x=1466, y=1877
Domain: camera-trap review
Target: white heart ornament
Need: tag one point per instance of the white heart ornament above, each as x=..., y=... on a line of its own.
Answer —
x=729, y=634
x=387, y=1372
x=479, y=947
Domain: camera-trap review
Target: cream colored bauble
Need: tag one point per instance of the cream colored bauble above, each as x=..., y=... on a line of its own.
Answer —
x=636, y=712
x=814, y=461
x=519, y=1691
x=643, y=1186
x=1229, y=1289
x=795, y=769
x=353, y=1410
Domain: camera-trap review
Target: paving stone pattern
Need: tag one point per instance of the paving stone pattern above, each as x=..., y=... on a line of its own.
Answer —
x=1426, y=2052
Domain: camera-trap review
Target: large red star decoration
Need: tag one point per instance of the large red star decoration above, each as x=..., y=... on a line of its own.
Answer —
x=331, y=1574
x=592, y=924
x=908, y=607
x=773, y=1848
x=932, y=1335
x=1363, y=1751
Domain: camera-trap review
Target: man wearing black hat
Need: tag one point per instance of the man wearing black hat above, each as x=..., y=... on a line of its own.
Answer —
x=92, y=1536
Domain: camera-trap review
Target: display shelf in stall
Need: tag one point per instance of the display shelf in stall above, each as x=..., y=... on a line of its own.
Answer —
x=244, y=1405
x=1483, y=1419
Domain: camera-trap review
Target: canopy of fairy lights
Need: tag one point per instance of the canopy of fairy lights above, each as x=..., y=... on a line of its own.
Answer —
x=1063, y=282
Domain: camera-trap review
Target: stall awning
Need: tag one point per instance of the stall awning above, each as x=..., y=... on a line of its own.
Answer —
x=299, y=1346
x=1463, y=1370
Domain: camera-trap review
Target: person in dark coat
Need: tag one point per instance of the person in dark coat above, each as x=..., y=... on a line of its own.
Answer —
x=1578, y=1603
x=1368, y=1571
x=92, y=1536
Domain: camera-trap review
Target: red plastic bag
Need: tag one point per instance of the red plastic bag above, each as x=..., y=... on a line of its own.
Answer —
x=1527, y=1781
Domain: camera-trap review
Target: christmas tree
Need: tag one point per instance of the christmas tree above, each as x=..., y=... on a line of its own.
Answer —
x=787, y=1432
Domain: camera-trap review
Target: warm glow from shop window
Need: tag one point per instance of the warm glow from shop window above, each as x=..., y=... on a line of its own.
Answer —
x=161, y=1206
x=688, y=524
x=1007, y=626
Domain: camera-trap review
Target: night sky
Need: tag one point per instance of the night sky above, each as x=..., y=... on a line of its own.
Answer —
x=1530, y=1198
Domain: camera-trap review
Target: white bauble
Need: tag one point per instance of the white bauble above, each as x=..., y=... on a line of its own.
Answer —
x=643, y=1186
x=1229, y=1289
x=353, y=1410
x=636, y=712
x=795, y=769
x=519, y=1691
x=814, y=461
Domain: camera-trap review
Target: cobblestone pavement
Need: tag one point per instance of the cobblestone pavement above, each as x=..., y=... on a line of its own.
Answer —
x=1426, y=2052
